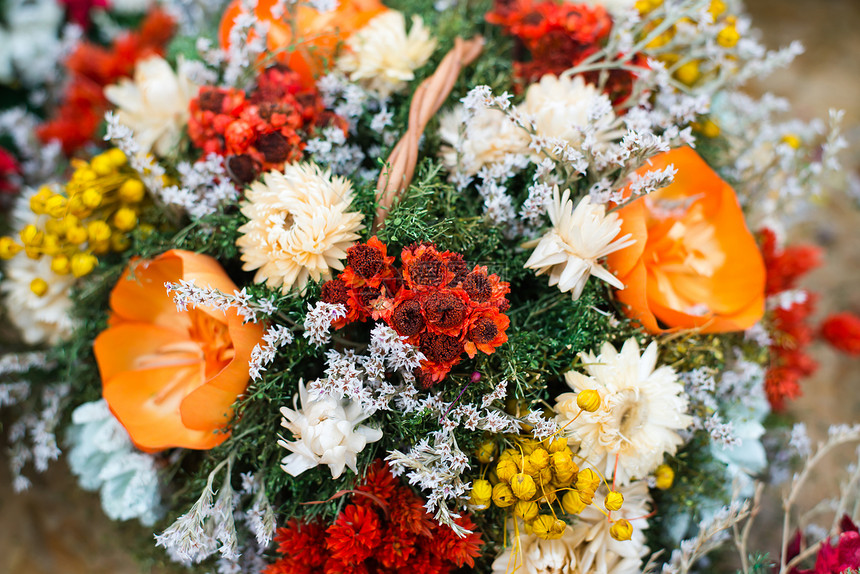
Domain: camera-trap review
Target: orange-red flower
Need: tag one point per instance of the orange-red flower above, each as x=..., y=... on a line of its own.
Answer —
x=171, y=377
x=317, y=36
x=694, y=265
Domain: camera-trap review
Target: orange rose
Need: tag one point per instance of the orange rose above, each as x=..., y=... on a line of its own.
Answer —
x=171, y=377
x=694, y=265
x=319, y=33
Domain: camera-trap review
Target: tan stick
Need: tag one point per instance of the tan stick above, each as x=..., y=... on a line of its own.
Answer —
x=429, y=97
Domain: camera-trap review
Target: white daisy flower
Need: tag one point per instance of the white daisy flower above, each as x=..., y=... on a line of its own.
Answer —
x=641, y=409
x=569, y=251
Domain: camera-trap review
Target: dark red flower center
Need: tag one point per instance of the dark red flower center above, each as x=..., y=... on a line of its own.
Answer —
x=428, y=269
x=274, y=147
x=483, y=331
x=440, y=348
x=458, y=267
x=242, y=168
x=211, y=99
x=407, y=319
x=445, y=310
x=478, y=286
x=365, y=260
x=335, y=291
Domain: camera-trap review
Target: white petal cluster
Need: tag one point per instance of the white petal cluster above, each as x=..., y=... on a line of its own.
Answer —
x=44, y=319
x=155, y=104
x=586, y=547
x=596, y=550
x=103, y=458
x=30, y=46
x=299, y=226
x=383, y=57
x=326, y=431
x=642, y=408
x=567, y=108
x=569, y=251
x=487, y=138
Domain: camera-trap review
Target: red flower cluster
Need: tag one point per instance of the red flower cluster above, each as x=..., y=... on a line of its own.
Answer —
x=9, y=172
x=262, y=130
x=790, y=330
x=842, y=330
x=558, y=37
x=833, y=558
x=92, y=67
x=435, y=299
x=384, y=529
x=79, y=10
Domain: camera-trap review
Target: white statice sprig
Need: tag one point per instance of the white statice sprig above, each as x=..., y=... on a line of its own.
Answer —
x=186, y=294
x=263, y=354
x=319, y=320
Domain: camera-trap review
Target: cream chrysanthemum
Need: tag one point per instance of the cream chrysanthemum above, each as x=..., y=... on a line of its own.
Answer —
x=383, y=57
x=40, y=319
x=563, y=107
x=299, y=226
x=596, y=550
x=641, y=409
x=490, y=137
x=326, y=431
x=155, y=104
x=528, y=553
x=579, y=237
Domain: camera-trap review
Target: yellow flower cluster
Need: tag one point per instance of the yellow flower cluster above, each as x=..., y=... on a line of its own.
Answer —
x=688, y=70
x=539, y=481
x=92, y=216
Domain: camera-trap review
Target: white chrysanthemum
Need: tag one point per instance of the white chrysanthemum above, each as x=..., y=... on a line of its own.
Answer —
x=383, y=57
x=103, y=458
x=578, y=238
x=490, y=137
x=641, y=409
x=596, y=551
x=299, y=226
x=44, y=319
x=155, y=104
x=566, y=108
x=529, y=553
x=326, y=431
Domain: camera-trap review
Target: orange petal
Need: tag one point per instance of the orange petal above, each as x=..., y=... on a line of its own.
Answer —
x=147, y=403
x=140, y=294
x=120, y=348
x=209, y=405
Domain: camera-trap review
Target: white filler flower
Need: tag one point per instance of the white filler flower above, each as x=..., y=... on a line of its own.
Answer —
x=641, y=409
x=326, y=431
x=569, y=251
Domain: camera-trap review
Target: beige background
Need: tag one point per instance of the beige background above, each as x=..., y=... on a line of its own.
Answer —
x=58, y=529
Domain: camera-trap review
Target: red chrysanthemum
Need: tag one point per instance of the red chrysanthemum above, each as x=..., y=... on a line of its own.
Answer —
x=354, y=535
x=302, y=544
x=842, y=330
x=460, y=551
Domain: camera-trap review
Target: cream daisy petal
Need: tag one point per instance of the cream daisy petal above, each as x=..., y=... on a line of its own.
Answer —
x=642, y=407
x=299, y=226
x=383, y=57
x=569, y=251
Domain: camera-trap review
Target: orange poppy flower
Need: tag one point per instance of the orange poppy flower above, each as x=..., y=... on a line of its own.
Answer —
x=318, y=35
x=694, y=265
x=169, y=376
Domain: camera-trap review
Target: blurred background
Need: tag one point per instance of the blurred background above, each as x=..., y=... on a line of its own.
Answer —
x=57, y=528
